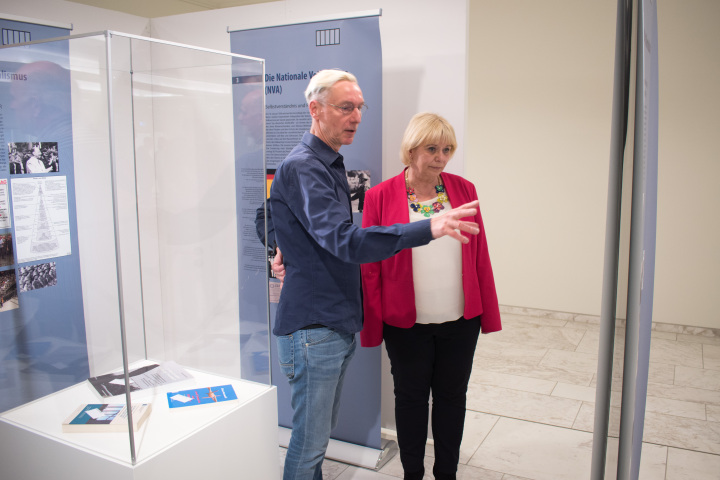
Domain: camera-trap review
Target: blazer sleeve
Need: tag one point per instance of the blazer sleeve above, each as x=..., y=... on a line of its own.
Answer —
x=372, y=333
x=490, y=318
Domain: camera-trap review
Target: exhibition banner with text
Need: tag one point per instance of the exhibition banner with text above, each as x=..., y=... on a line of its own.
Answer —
x=42, y=328
x=293, y=54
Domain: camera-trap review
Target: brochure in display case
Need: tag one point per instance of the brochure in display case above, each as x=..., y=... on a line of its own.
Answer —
x=129, y=182
x=148, y=376
x=104, y=417
x=201, y=396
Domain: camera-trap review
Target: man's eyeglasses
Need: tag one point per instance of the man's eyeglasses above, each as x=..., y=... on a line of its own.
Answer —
x=349, y=108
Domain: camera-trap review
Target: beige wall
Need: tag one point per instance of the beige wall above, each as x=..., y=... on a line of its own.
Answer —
x=688, y=266
x=540, y=77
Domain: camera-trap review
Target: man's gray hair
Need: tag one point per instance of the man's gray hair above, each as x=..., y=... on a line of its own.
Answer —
x=323, y=80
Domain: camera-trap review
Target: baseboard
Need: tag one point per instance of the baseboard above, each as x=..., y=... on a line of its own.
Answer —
x=595, y=319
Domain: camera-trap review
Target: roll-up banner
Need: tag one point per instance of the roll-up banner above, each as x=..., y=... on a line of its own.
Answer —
x=293, y=54
x=42, y=328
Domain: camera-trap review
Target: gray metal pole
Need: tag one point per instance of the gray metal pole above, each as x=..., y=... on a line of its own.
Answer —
x=632, y=332
x=642, y=245
x=118, y=260
x=618, y=138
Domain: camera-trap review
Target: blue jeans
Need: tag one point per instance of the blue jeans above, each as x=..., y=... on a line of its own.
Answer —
x=315, y=361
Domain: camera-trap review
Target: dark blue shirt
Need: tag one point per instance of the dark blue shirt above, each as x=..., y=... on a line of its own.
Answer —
x=322, y=248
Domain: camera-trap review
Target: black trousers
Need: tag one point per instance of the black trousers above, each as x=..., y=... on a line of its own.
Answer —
x=429, y=358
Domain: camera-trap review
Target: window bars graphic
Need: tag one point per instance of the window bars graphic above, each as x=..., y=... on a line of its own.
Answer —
x=327, y=37
x=11, y=37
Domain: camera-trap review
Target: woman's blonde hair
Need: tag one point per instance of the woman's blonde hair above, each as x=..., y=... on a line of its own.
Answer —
x=424, y=129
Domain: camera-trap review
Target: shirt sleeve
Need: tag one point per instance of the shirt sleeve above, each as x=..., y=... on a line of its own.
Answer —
x=313, y=199
x=261, y=222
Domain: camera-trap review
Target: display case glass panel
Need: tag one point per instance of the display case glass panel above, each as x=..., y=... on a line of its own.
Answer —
x=131, y=173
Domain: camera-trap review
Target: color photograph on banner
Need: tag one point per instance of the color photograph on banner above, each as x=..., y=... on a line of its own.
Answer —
x=293, y=54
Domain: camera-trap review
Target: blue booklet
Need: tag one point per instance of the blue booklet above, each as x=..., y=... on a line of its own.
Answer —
x=103, y=417
x=201, y=396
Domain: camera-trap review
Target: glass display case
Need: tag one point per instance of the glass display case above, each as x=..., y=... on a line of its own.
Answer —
x=131, y=174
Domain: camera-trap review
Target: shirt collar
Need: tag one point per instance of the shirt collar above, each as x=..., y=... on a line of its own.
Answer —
x=324, y=153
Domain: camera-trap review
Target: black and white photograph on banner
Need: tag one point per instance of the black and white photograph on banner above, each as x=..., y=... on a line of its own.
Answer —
x=8, y=291
x=33, y=157
x=6, y=249
x=359, y=182
x=34, y=277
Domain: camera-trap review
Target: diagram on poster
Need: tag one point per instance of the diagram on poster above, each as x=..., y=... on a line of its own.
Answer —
x=40, y=213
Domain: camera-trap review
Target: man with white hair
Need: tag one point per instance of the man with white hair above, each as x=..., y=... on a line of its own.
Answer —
x=35, y=163
x=319, y=255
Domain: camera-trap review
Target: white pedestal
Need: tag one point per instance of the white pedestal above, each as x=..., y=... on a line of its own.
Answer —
x=237, y=440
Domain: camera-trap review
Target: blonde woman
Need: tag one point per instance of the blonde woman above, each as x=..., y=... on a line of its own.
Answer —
x=428, y=303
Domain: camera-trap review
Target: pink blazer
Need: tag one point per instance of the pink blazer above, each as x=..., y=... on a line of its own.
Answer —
x=388, y=291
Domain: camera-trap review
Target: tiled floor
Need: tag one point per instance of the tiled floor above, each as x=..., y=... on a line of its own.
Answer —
x=531, y=405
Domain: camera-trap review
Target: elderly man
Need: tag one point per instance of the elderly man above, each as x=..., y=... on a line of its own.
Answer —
x=319, y=255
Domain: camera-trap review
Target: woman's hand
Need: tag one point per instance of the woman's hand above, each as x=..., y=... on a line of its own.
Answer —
x=450, y=223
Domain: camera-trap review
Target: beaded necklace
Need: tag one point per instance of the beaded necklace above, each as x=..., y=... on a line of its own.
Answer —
x=426, y=210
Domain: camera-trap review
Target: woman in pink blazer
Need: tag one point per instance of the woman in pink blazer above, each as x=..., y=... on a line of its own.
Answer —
x=428, y=303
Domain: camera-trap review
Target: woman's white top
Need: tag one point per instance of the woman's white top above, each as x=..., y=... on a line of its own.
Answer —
x=437, y=275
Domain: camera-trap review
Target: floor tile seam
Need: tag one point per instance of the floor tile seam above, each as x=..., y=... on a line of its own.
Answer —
x=537, y=393
x=704, y=370
x=684, y=420
x=530, y=421
x=570, y=368
x=577, y=416
x=707, y=415
x=545, y=424
x=670, y=444
x=531, y=362
x=652, y=412
x=695, y=390
x=549, y=370
x=515, y=389
x=703, y=388
x=674, y=364
x=522, y=348
x=682, y=417
x=705, y=361
x=596, y=320
x=560, y=350
x=592, y=405
x=511, y=362
x=680, y=400
x=490, y=430
x=484, y=469
x=670, y=447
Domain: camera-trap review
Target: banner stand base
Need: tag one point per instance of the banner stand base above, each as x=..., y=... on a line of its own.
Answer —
x=358, y=455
